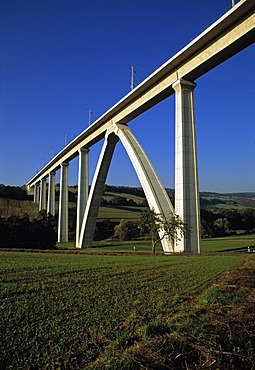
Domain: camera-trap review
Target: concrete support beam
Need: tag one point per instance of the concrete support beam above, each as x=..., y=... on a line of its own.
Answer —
x=154, y=191
x=83, y=189
x=186, y=176
x=51, y=194
x=63, y=204
x=42, y=202
x=37, y=193
x=96, y=191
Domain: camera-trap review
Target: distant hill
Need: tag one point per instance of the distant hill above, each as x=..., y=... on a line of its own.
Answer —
x=227, y=200
x=15, y=201
x=208, y=199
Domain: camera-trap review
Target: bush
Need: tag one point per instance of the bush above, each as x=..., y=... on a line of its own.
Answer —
x=104, y=229
x=126, y=230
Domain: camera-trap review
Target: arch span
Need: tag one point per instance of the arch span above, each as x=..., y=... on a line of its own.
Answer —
x=155, y=193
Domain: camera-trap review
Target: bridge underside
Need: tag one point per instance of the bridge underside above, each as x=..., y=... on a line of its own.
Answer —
x=233, y=32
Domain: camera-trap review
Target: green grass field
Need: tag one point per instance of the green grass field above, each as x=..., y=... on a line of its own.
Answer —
x=116, y=214
x=209, y=245
x=78, y=311
x=228, y=243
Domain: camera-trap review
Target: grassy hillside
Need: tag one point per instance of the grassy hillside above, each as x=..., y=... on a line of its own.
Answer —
x=116, y=214
x=209, y=200
x=228, y=200
x=9, y=207
x=110, y=195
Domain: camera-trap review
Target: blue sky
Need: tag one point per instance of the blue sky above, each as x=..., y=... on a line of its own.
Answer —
x=60, y=58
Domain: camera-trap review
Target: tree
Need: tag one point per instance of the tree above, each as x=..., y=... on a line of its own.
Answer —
x=126, y=230
x=118, y=200
x=221, y=226
x=72, y=219
x=13, y=192
x=151, y=223
x=104, y=229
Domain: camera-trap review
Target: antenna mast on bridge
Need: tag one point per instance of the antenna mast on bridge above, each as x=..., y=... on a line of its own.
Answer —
x=66, y=138
x=90, y=115
x=133, y=72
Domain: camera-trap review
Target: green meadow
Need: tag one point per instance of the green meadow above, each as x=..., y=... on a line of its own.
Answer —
x=65, y=310
x=229, y=244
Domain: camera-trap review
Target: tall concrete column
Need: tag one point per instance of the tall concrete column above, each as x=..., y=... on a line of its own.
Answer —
x=51, y=194
x=42, y=202
x=83, y=189
x=186, y=176
x=37, y=193
x=63, y=204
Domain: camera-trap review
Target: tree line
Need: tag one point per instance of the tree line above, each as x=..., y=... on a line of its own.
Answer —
x=223, y=222
x=41, y=232
x=14, y=192
x=120, y=201
x=20, y=232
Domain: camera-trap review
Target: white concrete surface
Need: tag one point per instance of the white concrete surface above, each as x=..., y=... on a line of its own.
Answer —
x=63, y=204
x=42, y=202
x=83, y=189
x=51, y=194
x=186, y=177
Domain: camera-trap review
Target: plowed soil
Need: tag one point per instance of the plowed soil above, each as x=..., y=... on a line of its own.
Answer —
x=231, y=341
x=211, y=335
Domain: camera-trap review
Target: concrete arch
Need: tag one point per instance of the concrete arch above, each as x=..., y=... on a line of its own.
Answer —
x=97, y=187
x=154, y=191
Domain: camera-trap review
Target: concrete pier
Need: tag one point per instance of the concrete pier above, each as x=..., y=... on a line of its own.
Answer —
x=51, y=194
x=83, y=189
x=186, y=177
x=36, y=193
x=42, y=202
x=63, y=204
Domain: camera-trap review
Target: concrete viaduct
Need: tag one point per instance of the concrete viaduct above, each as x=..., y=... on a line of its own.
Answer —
x=230, y=34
